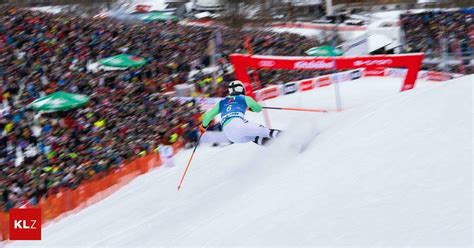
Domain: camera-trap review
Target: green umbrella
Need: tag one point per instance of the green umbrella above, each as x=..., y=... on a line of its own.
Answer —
x=59, y=101
x=325, y=51
x=123, y=61
x=157, y=16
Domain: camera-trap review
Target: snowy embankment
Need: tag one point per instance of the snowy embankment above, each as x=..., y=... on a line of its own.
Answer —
x=394, y=169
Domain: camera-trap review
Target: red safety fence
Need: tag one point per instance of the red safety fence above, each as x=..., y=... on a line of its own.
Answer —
x=3, y=226
x=90, y=191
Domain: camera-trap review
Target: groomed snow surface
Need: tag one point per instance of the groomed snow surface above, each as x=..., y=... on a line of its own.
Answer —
x=393, y=169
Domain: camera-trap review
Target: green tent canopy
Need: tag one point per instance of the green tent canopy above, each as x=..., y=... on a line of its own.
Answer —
x=324, y=51
x=59, y=101
x=158, y=16
x=123, y=61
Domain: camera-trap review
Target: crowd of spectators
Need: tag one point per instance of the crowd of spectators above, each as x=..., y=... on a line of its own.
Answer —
x=428, y=31
x=129, y=112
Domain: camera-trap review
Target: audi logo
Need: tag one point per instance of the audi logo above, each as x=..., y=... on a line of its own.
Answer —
x=266, y=63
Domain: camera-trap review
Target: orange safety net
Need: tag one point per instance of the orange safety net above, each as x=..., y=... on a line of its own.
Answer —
x=3, y=226
x=90, y=191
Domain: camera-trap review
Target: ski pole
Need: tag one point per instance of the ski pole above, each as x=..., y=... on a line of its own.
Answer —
x=189, y=161
x=298, y=109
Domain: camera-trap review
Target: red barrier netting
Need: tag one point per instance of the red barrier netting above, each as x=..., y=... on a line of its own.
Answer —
x=91, y=191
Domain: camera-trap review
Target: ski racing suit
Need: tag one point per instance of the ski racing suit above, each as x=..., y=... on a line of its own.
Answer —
x=235, y=127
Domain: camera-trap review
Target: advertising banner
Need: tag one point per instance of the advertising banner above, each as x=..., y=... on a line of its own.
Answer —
x=275, y=62
x=395, y=72
x=411, y=61
x=438, y=76
x=268, y=93
x=323, y=81
x=356, y=74
x=375, y=72
x=290, y=88
x=305, y=85
x=340, y=77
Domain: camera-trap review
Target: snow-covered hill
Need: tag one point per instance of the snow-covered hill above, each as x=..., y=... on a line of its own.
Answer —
x=392, y=169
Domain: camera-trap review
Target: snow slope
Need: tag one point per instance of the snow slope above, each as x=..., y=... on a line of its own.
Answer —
x=393, y=169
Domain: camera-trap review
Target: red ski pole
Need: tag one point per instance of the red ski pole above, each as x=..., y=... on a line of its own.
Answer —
x=298, y=109
x=189, y=162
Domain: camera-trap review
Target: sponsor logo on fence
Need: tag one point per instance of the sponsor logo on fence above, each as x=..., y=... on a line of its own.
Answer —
x=395, y=72
x=373, y=62
x=340, y=77
x=323, y=81
x=266, y=63
x=306, y=85
x=25, y=224
x=376, y=72
x=438, y=76
x=320, y=64
x=356, y=74
x=269, y=92
x=290, y=88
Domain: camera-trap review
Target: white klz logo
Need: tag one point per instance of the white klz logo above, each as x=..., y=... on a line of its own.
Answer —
x=21, y=224
x=266, y=63
x=373, y=62
x=314, y=65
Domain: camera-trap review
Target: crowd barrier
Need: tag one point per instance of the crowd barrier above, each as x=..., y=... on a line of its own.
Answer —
x=422, y=74
x=100, y=186
x=274, y=91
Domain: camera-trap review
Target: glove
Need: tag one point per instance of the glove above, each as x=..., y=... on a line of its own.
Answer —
x=202, y=129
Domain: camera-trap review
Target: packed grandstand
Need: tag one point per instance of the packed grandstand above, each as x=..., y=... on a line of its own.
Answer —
x=130, y=112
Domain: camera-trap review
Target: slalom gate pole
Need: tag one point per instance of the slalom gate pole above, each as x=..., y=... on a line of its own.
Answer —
x=189, y=162
x=298, y=109
x=265, y=115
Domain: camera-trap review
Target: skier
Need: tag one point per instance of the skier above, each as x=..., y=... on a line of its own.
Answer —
x=235, y=127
